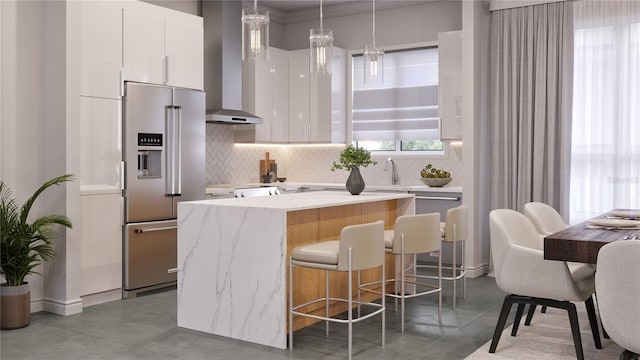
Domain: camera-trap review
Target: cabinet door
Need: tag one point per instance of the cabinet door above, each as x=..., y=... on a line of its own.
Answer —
x=101, y=49
x=280, y=97
x=339, y=97
x=100, y=138
x=299, y=97
x=320, y=108
x=101, y=243
x=263, y=100
x=184, y=50
x=143, y=43
x=450, y=85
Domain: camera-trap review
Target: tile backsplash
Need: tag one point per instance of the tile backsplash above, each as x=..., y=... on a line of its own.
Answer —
x=230, y=163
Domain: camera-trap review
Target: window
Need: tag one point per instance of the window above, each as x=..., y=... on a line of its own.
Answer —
x=402, y=113
x=605, y=140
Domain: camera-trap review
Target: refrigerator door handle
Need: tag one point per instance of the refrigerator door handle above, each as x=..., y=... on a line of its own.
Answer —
x=173, y=126
x=178, y=151
x=170, y=153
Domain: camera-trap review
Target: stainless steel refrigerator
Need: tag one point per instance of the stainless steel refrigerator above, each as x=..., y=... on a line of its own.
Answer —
x=164, y=158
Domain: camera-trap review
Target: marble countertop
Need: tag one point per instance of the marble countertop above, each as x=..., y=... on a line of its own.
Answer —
x=226, y=189
x=301, y=200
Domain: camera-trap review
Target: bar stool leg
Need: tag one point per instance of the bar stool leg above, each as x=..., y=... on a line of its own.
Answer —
x=402, y=287
x=350, y=304
x=326, y=303
x=290, y=304
x=455, y=265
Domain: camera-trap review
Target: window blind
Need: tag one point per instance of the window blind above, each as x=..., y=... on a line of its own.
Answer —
x=405, y=107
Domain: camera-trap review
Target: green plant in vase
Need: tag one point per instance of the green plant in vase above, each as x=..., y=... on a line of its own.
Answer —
x=23, y=246
x=352, y=158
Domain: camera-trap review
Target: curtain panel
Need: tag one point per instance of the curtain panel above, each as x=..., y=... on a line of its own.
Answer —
x=530, y=110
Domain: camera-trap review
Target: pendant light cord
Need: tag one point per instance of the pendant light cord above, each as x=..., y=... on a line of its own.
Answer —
x=320, y=14
x=374, y=24
x=255, y=6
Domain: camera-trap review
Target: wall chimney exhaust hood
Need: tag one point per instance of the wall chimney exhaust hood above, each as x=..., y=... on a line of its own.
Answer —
x=223, y=63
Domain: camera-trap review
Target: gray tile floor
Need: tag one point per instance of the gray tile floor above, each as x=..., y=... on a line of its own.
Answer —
x=145, y=328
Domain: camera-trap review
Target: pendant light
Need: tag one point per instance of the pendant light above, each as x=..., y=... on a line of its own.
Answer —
x=320, y=49
x=255, y=34
x=373, y=57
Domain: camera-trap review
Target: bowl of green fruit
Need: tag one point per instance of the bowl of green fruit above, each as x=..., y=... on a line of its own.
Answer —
x=434, y=177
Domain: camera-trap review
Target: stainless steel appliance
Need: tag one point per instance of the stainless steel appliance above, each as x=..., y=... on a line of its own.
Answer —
x=257, y=191
x=164, y=158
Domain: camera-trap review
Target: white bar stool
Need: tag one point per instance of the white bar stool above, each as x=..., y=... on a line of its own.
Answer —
x=413, y=234
x=454, y=230
x=360, y=247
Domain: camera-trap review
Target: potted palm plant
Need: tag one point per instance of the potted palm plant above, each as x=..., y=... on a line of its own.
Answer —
x=23, y=246
x=352, y=158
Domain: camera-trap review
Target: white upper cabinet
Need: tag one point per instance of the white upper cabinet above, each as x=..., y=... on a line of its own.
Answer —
x=450, y=85
x=144, y=58
x=299, y=123
x=265, y=94
x=101, y=49
x=162, y=46
x=184, y=51
x=296, y=107
x=317, y=110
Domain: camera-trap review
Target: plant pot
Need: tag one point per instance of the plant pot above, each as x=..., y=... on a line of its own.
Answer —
x=355, y=182
x=15, y=306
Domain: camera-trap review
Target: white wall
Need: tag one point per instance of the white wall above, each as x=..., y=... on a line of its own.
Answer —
x=35, y=128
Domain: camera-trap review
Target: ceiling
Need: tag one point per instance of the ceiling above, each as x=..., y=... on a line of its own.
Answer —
x=296, y=5
x=292, y=11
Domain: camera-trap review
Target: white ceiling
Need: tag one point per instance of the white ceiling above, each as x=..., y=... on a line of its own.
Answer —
x=292, y=11
x=295, y=5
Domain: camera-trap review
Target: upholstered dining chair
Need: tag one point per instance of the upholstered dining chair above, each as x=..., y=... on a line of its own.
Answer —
x=522, y=272
x=547, y=221
x=359, y=247
x=412, y=234
x=544, y=217
x=618, y=289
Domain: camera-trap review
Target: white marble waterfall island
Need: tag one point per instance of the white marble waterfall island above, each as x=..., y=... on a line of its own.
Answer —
x=233, y=256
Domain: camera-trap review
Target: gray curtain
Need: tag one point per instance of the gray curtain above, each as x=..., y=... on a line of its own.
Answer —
x=531, y=96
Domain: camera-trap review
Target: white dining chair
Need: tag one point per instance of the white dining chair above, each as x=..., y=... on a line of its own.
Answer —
x=618, y=289
x=522, y=272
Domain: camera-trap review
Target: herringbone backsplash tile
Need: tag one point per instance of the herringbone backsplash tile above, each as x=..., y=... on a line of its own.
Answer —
x=229, y=163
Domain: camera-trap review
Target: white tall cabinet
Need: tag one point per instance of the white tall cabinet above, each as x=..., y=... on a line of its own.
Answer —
x=121, y=40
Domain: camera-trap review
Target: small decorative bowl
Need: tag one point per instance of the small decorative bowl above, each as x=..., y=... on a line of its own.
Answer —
x=436, y=182
x=282, y=179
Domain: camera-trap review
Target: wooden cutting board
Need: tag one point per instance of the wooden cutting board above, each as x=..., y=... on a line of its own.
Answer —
x=265, y=167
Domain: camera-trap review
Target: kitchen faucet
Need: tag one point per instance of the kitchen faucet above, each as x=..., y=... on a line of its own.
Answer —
x=394, y=172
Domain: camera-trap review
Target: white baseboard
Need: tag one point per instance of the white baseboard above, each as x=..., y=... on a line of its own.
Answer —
x=64, y=308
x=36, y=306
x=477, y=271
x=102, y=297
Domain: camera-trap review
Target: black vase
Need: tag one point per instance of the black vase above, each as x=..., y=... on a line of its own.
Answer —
x=355, y=182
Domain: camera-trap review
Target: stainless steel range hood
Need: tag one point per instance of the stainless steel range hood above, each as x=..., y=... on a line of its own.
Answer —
x=223, y=63
x=232, y=117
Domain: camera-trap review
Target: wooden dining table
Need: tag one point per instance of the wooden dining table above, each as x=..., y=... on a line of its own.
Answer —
x=581, y=242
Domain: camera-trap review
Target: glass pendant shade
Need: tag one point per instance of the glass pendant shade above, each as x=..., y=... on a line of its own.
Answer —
x=320, y=51
x=373, y=57
x=255, y=34
x=373, y=65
